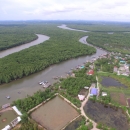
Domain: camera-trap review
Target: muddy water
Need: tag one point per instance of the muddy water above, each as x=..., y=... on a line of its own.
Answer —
x=41, y=38
x=8, y=116
x=55, y=114
x=63, y=26
x=29, y=85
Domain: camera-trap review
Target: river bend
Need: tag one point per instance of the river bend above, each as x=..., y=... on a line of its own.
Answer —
x=29, y=85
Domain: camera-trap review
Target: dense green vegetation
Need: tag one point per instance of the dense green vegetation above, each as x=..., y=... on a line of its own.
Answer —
x=101, y=26
x=28, y=126
x=117, y=42
x=74, y=85
x=11, y=36
x=62, y=45
x=105, y=65
x=28, y=103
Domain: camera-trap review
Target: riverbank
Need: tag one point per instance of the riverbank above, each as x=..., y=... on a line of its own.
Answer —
x=40, y=38
x=28, y=85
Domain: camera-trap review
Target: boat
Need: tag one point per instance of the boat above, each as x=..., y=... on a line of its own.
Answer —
x=43, y=82
x=8, y=97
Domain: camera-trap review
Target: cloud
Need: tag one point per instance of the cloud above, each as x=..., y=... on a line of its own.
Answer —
x=65, y=9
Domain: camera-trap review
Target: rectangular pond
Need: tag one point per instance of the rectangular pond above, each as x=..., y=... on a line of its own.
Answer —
x=6, y=117
x=108, y=82
x=106, y=115
x=55, y=114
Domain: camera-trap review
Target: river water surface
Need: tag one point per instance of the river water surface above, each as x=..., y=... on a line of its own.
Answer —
x=29, y=85
x=41, y=38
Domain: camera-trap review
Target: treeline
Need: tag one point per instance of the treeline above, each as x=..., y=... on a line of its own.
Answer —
x=28, y=126
x=101, y=27
x=24, y=105
x=62, y=46
x=11, y=36
x=105, y=65
x=117, y=42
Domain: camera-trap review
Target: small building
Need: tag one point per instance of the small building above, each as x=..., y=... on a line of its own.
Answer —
x=94, y=91
x=122, y=61
x=90, y=72
x=91, y=66
x=104, y=94
x=81, y=97
x=115, y=69
x=122, y=68
x=8, y=127
x=17, y=111
x=15, y=121
x=86, y=87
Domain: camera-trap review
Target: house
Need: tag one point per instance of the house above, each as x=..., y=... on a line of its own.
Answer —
x=86, y=87
x=122, y=68
x=122, y=61
x=91, y=66
x=94, y=91
x=81, y=97
x=90, y=72
x=115, y=69
x=104, y=94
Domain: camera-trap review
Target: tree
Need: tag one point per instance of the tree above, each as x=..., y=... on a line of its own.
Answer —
x=24, y=118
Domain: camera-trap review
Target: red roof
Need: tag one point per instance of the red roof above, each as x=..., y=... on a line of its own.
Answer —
x=91, y=72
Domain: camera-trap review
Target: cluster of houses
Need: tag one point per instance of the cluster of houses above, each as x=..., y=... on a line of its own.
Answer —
x=123, y=68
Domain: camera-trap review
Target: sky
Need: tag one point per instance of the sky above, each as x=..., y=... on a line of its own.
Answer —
x=99, y=10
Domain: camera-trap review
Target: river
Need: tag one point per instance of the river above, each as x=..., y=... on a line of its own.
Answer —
x=29, y=85
x=41, y=38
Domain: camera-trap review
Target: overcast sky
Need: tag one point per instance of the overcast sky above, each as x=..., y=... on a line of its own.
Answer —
x=108, y=10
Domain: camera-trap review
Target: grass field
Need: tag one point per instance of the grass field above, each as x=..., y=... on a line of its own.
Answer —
x=54, y=114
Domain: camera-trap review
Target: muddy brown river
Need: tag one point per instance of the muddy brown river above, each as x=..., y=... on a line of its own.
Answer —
x=28, y=85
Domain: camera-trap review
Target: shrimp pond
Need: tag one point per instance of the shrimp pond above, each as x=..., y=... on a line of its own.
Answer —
x=55, y=114
x=109, y=116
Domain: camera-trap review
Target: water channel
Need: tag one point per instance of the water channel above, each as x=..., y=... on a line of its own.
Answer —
x=28, y=85
x=41, y=38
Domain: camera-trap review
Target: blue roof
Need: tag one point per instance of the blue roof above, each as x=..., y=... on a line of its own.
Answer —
x=94, y=91
x=122, y=61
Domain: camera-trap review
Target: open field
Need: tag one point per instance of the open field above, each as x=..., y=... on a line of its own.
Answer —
x=118, y=94
x=106, y=115
x=54, y=114
x=6, y=117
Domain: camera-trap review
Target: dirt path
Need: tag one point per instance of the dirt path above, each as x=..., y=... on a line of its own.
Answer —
x=83, y=113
